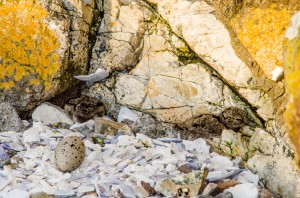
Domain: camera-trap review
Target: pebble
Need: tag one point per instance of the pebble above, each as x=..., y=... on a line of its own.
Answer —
x=50, y=114
x=246, y=190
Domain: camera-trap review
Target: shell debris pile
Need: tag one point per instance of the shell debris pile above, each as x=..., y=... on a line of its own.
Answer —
x=124, y=166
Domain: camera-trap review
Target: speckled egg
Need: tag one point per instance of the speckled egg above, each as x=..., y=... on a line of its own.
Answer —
x=69, y=153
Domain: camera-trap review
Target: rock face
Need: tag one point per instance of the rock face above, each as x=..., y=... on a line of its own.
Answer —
x=202, y=65
x=39, y=62
x=291, y=62
x=179, y=60
x=49, y=114
x=9, y=119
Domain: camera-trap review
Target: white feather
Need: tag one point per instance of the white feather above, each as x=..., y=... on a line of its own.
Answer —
x=100, y=74
x=277, y=73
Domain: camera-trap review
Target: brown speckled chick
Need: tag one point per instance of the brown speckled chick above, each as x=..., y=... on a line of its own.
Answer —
x=84, y=108
x=234, y=118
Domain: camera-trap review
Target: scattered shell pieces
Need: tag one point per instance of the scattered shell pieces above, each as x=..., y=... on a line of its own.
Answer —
x=122, y=166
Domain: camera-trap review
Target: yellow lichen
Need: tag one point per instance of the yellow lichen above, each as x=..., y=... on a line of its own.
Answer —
x=28, y=46
x=261, y=31
x=292, y=115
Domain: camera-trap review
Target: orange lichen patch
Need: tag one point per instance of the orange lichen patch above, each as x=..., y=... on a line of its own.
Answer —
x=34, y=81
x=151, y=89
x=292, y=115
x=261, y=31
x=6, y=85
x=28, y=46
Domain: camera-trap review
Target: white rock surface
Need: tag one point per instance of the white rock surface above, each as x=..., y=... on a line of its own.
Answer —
x=246, y=190
x=49, y=114
x=247, y=177
x=262, y=141
x=126, y=113
x=196, y=23
x=9, y=119
x=187, y=95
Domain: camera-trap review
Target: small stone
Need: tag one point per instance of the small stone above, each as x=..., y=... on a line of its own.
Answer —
x=264, y=193
x=4, y=157
x=224, y=195
x=41, y=195
x=210, y=189
x=185, y=169
x=148, y=188
x=221, y=161
x=246, y=130
x=9, y=118
x=145, y=124
x=247, y=177
x=199, y=145
x=126, y=114
x=84, y=189
x=247, y=190
x=262, y=141
x=170, y=168
x=168, y=187
x=69, y=153
x=50, y=114
x=84, y=128
x=16, y=193
x=126, y=130
x=234, y=144
x=227, y=184
x=75, y=184
x=107, y=127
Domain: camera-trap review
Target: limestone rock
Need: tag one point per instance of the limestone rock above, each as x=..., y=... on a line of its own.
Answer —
x=197, y=24
x=189, y=93
x=168, y=187
x=270, y=168
x=106, y=96
x=291, y=63
x=40, y=62
x=149, y=126
x=121, y=30
x=262, y=141
x=190, y=60
x=254, y=24
x=234, y=144
x=49, y=114
x=107, y=127
x=164, y=60
x=9, y=118
x=247, y=190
